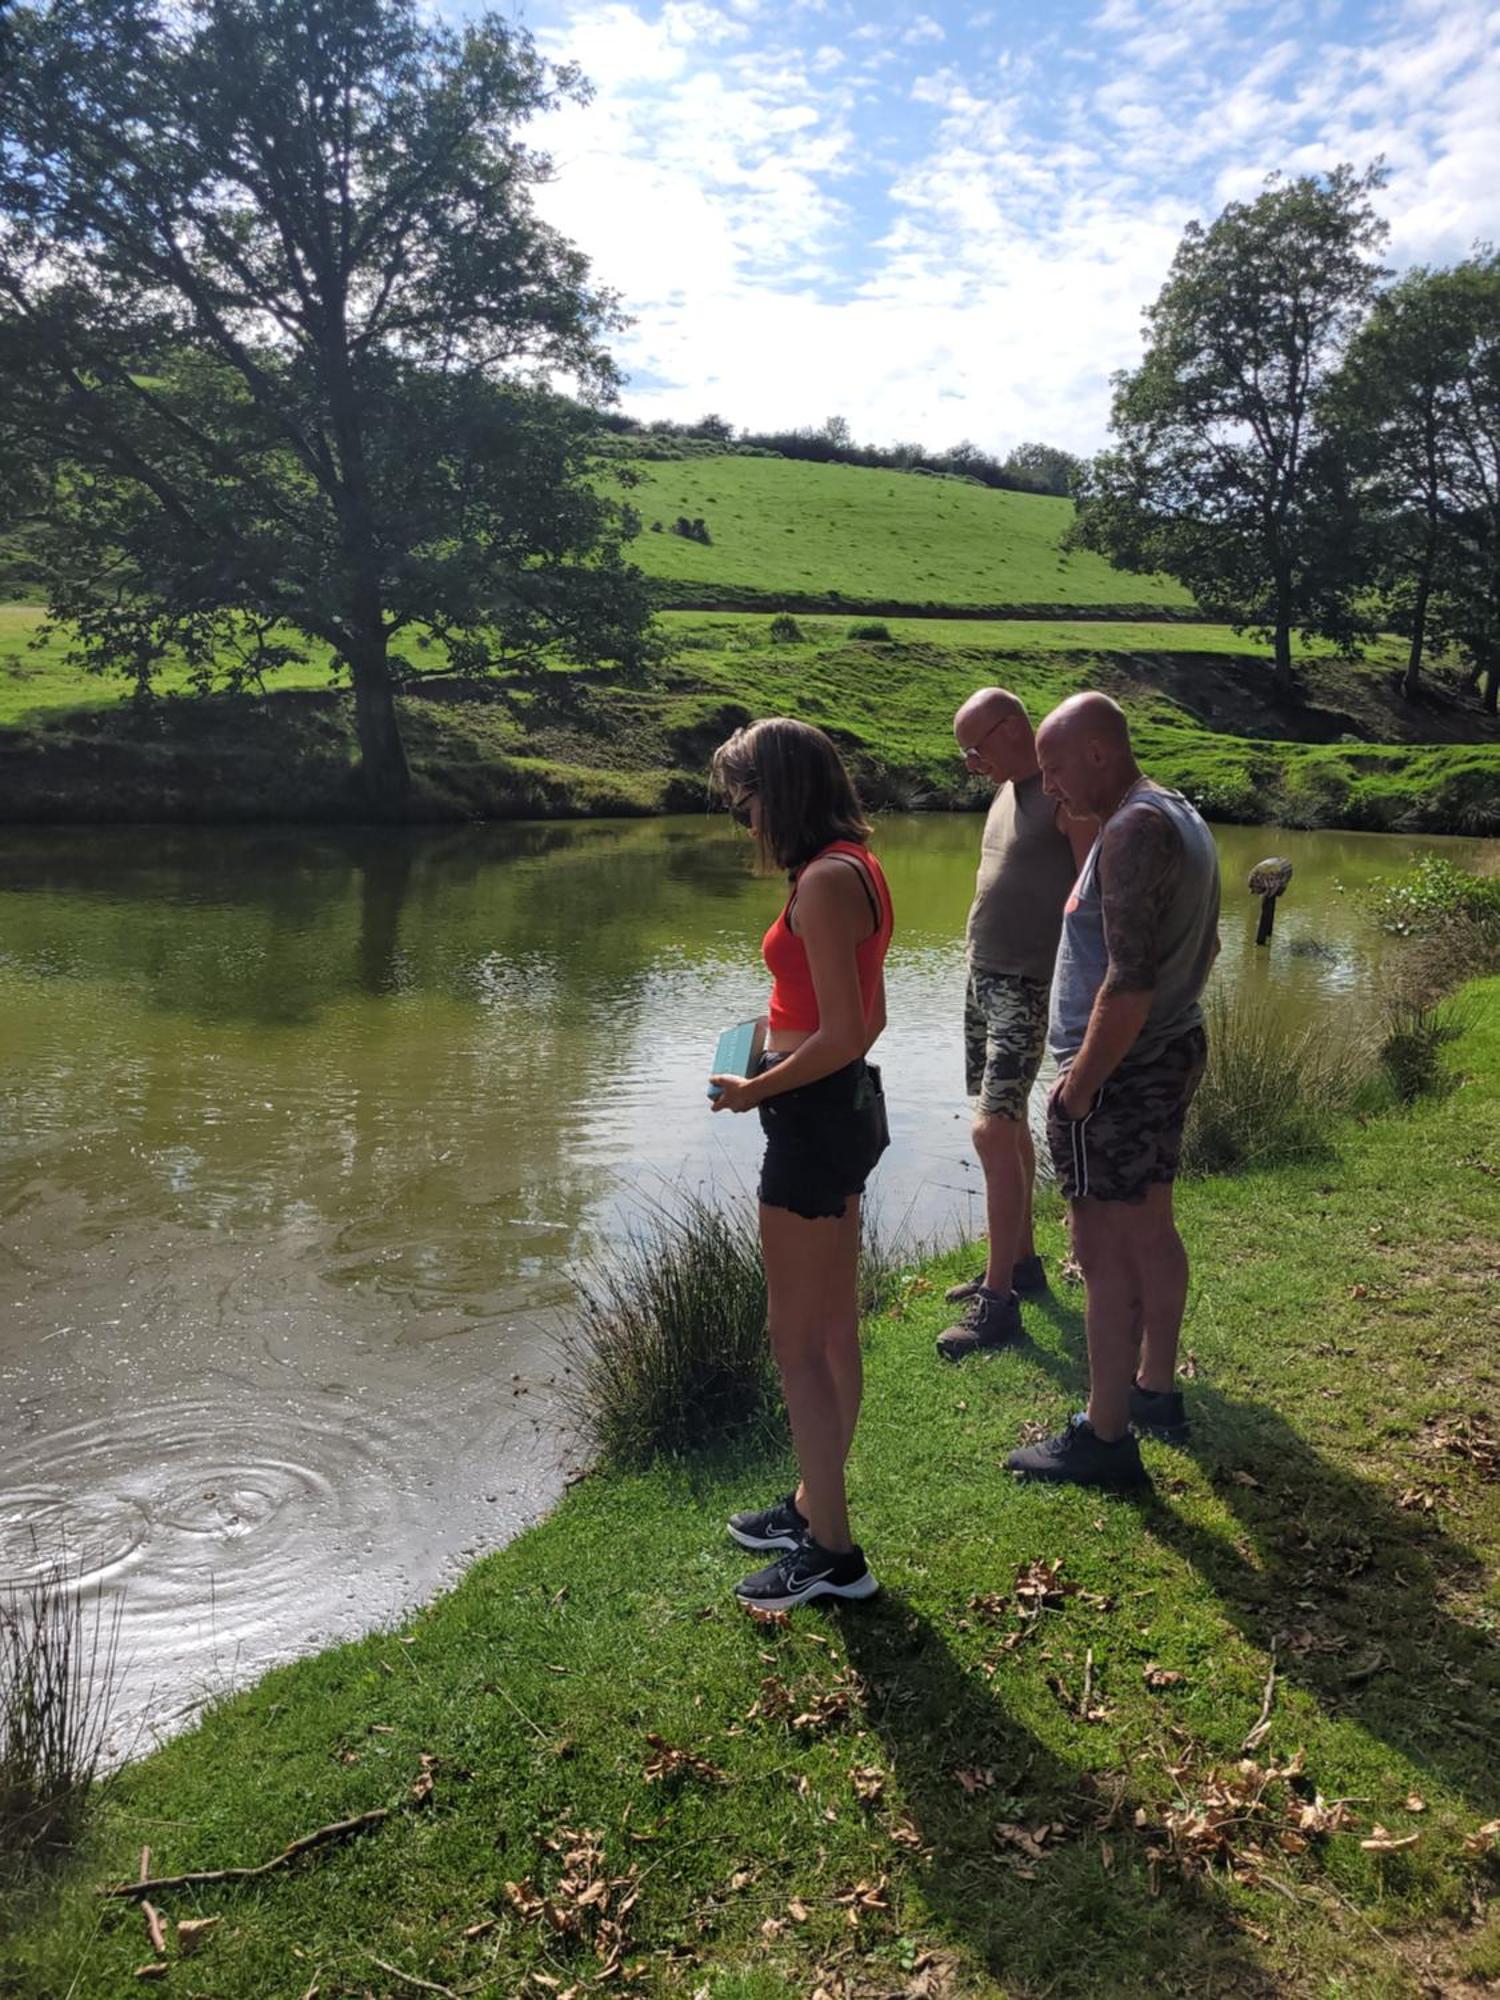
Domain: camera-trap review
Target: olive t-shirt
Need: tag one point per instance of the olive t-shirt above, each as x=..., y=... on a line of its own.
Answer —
x=1026, y=869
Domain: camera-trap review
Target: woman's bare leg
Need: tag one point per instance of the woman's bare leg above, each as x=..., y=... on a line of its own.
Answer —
x=812, y=1292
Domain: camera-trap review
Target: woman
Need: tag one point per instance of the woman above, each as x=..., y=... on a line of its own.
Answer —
x=823, y=1115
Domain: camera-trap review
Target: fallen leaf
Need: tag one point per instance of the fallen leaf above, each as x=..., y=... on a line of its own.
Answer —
x=191, y=1931
x=1240, y=1478
x=1415, y=1802
x=797, y=1910
x=1163, y=1677
x=1484, y=1839
x=1359, y=1291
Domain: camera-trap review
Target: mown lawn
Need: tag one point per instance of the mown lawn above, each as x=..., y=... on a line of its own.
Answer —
x=778, y=524
x=1022, y=1770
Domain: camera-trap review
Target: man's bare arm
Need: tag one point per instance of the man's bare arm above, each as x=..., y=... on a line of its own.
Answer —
x=1138, y=868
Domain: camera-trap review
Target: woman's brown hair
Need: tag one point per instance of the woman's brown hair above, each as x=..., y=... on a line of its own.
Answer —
x=807, y=798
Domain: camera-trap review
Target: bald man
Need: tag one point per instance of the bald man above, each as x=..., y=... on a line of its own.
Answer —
x=1140, y=933
x=1029, y=857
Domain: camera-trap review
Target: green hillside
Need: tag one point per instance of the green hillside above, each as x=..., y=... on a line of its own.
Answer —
x=783, y=529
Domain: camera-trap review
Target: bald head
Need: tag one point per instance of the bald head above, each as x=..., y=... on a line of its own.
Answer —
x=1083, y=748
x=993, y=733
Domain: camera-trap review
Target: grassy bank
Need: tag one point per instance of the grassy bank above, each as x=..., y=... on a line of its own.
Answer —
x=1003, y=1777
x=1344, y=750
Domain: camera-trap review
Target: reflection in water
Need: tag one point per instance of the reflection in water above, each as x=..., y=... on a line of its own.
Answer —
x=299, y=1132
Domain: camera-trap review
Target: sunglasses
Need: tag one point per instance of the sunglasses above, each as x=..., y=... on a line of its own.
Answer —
x=739, y=805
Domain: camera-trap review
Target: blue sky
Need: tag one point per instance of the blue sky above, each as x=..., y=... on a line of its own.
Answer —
x=944, y=221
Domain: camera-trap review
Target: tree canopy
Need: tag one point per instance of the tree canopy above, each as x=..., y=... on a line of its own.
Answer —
x=283, y=340
x=1224, y=474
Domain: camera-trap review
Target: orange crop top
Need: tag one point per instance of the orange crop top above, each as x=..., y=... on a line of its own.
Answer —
x=794, y=1004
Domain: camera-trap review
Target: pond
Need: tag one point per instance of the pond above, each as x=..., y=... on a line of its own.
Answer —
x=301, y=1134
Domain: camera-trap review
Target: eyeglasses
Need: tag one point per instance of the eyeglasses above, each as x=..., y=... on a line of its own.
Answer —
x=971, y=750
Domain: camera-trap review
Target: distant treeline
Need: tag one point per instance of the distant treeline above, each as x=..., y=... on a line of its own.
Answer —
x=1029, y=468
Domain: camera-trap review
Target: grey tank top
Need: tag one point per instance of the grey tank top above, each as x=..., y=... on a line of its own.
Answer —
x=1189, y=932
x=1026, y=869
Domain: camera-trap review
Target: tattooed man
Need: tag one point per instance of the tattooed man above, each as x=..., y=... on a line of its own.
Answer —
x=1140, y=932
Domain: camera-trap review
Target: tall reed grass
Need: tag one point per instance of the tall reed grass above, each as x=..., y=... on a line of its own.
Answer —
x=667, y=1351
x=57, y=1661
x=668, y=1348
x=1273, y=1090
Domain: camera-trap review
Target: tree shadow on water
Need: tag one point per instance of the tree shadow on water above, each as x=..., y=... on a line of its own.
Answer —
x=1349, y=1585
x=1080, y=1918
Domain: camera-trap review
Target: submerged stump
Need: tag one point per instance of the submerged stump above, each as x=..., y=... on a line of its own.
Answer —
x=1268, y=880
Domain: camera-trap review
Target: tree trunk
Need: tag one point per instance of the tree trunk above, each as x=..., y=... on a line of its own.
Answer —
x=1492, y=685
x=1418, y=631
x=382, y=754
x=1283, y=661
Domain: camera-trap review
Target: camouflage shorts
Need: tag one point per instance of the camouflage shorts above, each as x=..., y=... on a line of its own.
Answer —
x=1130, y=1138
x=1005, y=1032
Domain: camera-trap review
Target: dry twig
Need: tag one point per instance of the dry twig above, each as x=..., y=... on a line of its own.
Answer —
x=1262, y=1727
x=340, y=1829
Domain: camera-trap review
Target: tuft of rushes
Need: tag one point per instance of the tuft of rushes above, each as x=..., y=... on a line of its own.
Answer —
x=669, y=1351
x=57, y=1659
x=1273, y=1091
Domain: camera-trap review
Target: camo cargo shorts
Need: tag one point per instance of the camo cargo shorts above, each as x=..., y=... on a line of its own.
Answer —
x=1005, y=1033
x=1130, y=1138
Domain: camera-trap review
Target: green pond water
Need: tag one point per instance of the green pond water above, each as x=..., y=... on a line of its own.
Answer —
x=301, y=1133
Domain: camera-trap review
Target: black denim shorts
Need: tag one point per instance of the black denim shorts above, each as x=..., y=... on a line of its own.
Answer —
x=822, y=1141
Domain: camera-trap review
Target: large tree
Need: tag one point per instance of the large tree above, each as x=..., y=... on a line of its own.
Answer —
x=1418, y=403
x=1224, y=475
x=276, y=315
x=1395, y=400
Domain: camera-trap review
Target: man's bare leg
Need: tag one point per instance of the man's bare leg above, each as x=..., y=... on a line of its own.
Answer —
x=1008, y=1158
x=1162, y=1279
x=1103, y=1233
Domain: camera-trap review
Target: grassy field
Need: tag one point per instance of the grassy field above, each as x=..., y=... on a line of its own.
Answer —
x=777, y=525
x=1021, y=1771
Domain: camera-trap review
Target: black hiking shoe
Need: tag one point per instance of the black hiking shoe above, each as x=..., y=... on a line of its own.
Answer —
x=993, y=1319
x=1159, y=1414
x=804, y=1573
x=1029, y=1278
x=777, y=1527
x=1082, y=1459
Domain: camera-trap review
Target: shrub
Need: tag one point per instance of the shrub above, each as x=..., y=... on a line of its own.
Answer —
x=874, y=628
x=1433, y=895
x=57, y=1663
x=695, y=530
x=784, y=629
x=1273, y=1090
x=671, y=1349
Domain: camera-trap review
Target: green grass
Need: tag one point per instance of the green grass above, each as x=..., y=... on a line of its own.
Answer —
x=1339, y=1499
x=811, y=530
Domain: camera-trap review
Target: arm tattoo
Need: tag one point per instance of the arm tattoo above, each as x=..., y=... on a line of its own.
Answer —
x=1138, y=868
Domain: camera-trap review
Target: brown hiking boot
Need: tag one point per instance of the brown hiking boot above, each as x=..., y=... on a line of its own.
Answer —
x=993, y=1319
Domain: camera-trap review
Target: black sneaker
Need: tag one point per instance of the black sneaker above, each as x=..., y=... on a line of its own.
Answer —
x=778, y=1527
x=1081, y=1458
x=1159, y=1413
x=993, y=1319
x=1029, y=1278
x=804, y=1573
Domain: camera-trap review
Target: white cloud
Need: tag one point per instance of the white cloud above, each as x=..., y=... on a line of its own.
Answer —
x=967, y=250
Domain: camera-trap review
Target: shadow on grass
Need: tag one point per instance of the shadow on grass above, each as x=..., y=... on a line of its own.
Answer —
x=1079, y=1920
x=1348, y=1583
